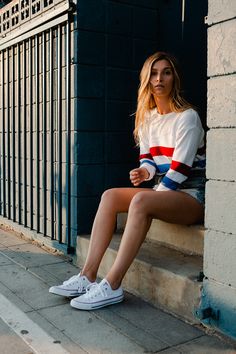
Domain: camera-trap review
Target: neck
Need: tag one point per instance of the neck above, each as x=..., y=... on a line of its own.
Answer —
x=163, y=105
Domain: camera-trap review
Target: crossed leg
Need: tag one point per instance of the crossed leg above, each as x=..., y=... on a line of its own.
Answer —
x=142, y=205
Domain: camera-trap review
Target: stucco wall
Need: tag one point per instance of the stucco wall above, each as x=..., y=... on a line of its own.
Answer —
x=219, y=289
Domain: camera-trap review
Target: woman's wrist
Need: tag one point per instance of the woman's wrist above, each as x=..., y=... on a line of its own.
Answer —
x=146, y=174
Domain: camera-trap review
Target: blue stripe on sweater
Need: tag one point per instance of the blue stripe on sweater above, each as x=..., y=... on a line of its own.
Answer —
x=164, y=167
x=169, y=183
x=152, y=163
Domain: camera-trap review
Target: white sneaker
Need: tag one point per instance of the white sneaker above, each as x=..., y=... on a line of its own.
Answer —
x=98, y=295
x=74, y=286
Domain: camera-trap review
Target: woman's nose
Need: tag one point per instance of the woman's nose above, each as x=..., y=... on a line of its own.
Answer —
x=158, y=77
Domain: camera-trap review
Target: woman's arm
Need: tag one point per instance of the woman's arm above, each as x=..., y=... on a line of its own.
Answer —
x=145, y=158
x=189, y=136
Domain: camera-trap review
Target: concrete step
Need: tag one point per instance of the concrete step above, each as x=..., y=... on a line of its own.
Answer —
x=160, y=275
x=188, y=239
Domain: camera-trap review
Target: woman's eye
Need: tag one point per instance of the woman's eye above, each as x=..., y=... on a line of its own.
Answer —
x=168, y=72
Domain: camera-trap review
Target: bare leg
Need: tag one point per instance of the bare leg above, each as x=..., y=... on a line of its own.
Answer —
x=173, y=207
x=113, y=201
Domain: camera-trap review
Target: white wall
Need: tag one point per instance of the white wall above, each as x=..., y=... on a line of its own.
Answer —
x=219, y=290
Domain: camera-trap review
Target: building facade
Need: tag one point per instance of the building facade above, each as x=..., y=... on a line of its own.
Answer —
x=69, y=79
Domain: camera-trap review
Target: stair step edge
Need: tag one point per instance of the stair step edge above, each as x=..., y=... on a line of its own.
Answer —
x=188, y=239
x=168, y=280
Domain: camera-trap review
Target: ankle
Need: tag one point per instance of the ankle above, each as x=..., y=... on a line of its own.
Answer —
x=115, y=284
x=90, y=276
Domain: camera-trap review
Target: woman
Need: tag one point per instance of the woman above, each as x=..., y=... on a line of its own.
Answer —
x=171, y=139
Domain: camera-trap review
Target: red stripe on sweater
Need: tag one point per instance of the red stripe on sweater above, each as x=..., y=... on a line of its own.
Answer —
x=180, y=167
x=145, y=156
x=162, y=150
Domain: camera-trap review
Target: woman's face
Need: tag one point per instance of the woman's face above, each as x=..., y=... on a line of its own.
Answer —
x=161, y=78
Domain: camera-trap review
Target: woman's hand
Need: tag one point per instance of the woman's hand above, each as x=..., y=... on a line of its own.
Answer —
x=138, y=175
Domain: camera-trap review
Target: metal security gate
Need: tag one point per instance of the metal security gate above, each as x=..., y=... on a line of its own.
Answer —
x=35, y=132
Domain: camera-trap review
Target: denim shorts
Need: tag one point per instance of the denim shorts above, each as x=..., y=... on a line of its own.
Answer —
x=194, y=185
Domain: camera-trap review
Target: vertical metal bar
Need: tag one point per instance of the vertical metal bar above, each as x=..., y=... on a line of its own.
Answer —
x=19, y=131
x=68, y=145
x=24, y=132
x=31, y=149
x=2, y=117
x=44, y=134
x=8, y=134
x=3, y=140
x=37, y=132
x=51, y=131
x=59, y=192
x=13, y=138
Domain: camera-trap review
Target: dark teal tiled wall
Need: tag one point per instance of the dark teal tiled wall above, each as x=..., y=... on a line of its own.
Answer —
x=112, y=40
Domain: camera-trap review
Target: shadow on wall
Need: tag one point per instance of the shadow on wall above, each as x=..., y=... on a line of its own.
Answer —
x=106, y=83
x=218, y=311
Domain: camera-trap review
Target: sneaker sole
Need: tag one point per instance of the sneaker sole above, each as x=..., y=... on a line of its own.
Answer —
x=65, y=293
x=96, y=305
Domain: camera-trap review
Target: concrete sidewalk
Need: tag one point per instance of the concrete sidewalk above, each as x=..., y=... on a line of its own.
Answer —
x=34, y=321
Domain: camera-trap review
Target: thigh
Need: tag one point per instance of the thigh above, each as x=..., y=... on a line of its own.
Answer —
x=170, y=206
x=119, y=199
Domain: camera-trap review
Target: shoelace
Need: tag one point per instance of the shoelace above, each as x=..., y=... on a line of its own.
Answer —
x=94, y=289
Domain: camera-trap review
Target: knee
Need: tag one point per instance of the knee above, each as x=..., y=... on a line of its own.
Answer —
x=139, y=203
x=109, y=196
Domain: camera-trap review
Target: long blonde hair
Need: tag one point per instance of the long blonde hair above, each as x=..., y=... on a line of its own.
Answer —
x=146, y=100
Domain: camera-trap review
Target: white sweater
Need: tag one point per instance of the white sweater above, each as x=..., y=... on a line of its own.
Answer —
x=172, y=144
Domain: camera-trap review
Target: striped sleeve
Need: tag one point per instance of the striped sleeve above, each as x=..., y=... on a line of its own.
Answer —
x=145, y=157
x=189, y=137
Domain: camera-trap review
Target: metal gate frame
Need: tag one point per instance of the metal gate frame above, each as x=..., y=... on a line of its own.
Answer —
x=27, y=140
